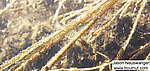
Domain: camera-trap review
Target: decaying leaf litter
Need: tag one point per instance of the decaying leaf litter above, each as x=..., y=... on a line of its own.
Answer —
x=87, y=34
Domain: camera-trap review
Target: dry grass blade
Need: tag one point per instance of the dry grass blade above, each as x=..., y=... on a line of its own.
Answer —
x=77, y=12
x=49, y=41
x=99, y=31
x=122, y=50
x=6, y=8
x=142, y=49
x=88, y=34
x=70, y=16
x=127, y=5
x=57, y=11
x=83, y=69
x=55, y=58
x=103, y=55
x=148, y=57
x=26, y=6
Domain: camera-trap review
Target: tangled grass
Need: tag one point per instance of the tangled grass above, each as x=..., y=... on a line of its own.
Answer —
x=87, y=35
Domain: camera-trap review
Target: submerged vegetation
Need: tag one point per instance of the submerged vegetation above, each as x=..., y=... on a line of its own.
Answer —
x=72, y=34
